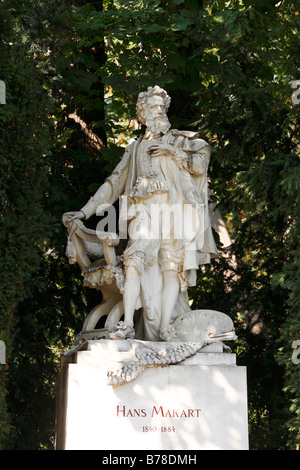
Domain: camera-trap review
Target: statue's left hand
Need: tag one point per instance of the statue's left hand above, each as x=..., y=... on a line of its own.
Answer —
x=162, y=150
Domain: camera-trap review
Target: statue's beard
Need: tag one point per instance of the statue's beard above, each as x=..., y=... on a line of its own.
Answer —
x=159, y=124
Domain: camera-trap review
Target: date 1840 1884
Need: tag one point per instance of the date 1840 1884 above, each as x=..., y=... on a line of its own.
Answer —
x=158, y=428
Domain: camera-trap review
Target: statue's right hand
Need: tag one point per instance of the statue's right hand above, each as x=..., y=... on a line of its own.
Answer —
x=69, y=218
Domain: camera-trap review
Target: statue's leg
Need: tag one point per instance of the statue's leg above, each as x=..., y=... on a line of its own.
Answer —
x=169, y=299
x=171, y=261
x=138, y=256
x=132, y=288
x=131, y=293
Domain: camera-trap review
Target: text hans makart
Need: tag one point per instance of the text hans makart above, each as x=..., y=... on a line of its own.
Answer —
x=124, y=412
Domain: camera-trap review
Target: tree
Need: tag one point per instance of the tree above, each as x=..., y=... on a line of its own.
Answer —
x=24, y=139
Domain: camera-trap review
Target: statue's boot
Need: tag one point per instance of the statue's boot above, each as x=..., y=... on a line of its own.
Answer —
x=123, y=331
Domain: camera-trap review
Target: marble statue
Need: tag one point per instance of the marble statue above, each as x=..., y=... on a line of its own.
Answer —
x=161, y=182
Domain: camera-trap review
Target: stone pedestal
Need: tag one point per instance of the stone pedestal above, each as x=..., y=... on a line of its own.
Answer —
x=199, y=403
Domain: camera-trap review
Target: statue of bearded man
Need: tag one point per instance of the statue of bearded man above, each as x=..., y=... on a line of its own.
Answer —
x=163, y=176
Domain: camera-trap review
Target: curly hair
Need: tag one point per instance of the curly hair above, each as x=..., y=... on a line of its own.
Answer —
x=142, y=101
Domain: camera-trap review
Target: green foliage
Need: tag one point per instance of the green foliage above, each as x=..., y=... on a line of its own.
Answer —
x=24, y=146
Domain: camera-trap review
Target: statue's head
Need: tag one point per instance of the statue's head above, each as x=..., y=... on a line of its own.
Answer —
x=152, y=105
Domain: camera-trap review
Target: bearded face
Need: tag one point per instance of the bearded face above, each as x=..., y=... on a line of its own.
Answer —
x=156, y=118
x=152, y=106
x=158, y=124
